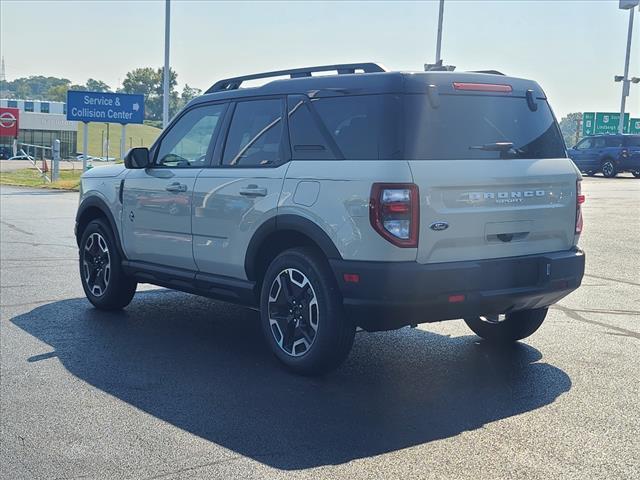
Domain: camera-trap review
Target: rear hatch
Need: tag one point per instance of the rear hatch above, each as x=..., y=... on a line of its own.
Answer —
x=491, y=167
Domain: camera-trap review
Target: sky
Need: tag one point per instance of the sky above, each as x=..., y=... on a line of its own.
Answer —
x=572, y=48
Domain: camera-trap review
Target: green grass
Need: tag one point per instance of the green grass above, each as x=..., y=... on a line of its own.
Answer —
x=136, y=136
x=30, y=177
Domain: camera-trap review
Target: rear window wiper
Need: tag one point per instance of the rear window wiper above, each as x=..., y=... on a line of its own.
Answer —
x=493, y=147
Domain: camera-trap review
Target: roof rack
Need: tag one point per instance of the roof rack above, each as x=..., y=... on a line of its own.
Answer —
x=345, y=68
x=492, y=72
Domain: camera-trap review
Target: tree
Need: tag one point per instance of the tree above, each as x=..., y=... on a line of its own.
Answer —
x=569, y=127
x=148, y=82
x=97, y=86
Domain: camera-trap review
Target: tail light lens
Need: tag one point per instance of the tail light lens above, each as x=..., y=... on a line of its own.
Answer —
x=579, y=201
x=394, y=211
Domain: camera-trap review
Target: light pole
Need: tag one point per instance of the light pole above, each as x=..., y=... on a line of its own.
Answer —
x=165, y=82
x=439, y=39
x=626, y=5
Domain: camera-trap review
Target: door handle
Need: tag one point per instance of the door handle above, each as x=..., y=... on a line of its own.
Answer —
x=253, y=191
x=176, y=187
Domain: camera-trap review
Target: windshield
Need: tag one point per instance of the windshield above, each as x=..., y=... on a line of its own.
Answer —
x=478, y=127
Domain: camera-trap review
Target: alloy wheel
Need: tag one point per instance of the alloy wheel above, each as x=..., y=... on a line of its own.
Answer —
x=607, y=169
x=96, y=263
x=293, y=312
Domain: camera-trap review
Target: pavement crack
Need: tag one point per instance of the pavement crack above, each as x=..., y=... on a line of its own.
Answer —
x=13, y=227
x=609, y=279
x=571, y=313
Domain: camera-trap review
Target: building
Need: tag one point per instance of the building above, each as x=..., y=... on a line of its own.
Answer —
x=41, y=122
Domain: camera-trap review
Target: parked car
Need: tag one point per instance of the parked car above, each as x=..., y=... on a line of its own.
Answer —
x=609, y=154
x=374, y=200
x=5, y=152
x=21, y=156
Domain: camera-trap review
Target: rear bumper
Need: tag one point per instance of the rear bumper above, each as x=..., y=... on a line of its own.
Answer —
x=393, y=294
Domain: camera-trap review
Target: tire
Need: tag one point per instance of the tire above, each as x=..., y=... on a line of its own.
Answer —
x=514, y=327
x=104, y=283
x=301, y=313
x=609, y=169
x=636, y=174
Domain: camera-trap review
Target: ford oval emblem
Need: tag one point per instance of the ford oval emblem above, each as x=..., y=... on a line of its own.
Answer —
x=438, y=226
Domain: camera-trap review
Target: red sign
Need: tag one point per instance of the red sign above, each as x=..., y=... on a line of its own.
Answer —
x=9, y=118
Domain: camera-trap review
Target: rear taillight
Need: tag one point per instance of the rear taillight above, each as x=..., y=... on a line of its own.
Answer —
x=579, y=201
x=394, y=211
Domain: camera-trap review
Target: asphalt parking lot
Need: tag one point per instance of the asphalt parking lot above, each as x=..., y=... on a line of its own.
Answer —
x=182, y=387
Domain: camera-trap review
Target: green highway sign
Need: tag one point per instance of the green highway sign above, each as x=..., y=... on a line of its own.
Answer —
x=634, y=125
x=588, y=123
x=607, y=122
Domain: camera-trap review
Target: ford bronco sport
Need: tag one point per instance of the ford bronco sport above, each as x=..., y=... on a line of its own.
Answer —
x=366, y=198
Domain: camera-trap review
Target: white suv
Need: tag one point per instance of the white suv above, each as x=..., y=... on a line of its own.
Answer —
x=367, y=199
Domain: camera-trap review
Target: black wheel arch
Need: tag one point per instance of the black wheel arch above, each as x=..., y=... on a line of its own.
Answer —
x=90, y=209
x=282, y=232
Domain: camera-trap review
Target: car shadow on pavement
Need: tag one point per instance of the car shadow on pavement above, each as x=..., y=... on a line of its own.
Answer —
x=202, y=366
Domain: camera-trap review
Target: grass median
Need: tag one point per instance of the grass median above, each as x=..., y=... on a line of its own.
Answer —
x=30, y=177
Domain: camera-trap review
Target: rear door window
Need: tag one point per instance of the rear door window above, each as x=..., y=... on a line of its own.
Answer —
x=599, y=143
x=469, y=127
x=255, y=134
x=632, y=141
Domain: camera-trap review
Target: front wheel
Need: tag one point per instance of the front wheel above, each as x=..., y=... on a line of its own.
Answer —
x=104, y=283
x=609, y=169
x=507, y=328
x=302, y=314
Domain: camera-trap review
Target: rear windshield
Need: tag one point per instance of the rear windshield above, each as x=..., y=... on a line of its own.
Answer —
x=360, y=127
x=471, y=126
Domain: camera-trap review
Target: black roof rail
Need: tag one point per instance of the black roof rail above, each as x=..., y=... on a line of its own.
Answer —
x=492, y=72
x=235, y=82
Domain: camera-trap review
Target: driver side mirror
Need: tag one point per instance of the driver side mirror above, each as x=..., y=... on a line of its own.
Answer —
x=137, y=157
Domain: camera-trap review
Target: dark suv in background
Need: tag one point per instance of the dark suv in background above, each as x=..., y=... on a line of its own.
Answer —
x=609, y=154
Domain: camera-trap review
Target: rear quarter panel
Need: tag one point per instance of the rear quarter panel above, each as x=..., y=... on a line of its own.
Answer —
x=341, y=206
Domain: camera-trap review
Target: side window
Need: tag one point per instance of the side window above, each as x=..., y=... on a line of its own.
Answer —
x=255, y=134
x=584, y=144
x=364, y=127
x=307, y=140
x=599, y=143
x=614, y=142
x=187, y=143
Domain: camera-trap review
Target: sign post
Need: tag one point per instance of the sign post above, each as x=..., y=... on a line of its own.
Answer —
x=55, y=160
x=85, y=145
x=107, y=107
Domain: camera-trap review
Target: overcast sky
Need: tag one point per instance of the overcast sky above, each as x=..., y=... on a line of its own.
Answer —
x=572, y=48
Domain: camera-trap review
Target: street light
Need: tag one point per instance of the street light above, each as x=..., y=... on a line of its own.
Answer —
x=626, y=5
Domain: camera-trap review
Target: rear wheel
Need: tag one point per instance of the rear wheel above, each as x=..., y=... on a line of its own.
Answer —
x=104, y=283
x=302, y=315
x=609, y=169
x=507, y=328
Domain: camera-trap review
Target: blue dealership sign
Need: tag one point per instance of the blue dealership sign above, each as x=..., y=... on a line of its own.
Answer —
x=105, y=107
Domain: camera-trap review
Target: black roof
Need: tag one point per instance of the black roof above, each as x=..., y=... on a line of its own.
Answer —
x=375, y=82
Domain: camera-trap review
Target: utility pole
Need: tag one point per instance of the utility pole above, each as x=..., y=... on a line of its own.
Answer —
x=165, y=83
x=625, y=77
x=439, y=39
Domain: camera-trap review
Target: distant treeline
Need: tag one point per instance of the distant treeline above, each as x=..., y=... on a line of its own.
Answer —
x=146, y=80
